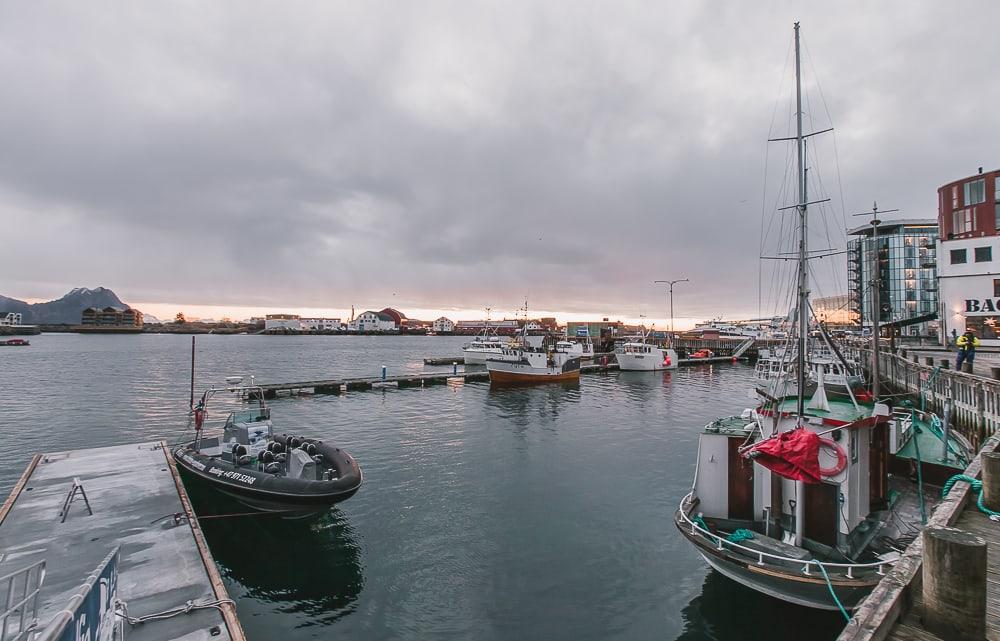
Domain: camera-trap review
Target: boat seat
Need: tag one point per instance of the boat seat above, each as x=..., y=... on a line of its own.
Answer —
x=766, y=544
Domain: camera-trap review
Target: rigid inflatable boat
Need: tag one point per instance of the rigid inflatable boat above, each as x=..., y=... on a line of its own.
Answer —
x=291, y=475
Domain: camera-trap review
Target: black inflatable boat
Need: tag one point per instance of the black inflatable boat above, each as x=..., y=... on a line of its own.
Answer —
x=291, y=475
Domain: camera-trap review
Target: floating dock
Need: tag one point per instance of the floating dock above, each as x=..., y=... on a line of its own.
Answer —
x=426, y=379
x=107, y=525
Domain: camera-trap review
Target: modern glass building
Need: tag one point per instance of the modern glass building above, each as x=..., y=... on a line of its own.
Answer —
x=906, y=258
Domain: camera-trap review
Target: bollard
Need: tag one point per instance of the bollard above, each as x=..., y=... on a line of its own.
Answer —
x=454, y=367
x=991, y=480
x=383, y=372
x=929, y=360
x=995, y=372
x=945, y=363
x=954, y=576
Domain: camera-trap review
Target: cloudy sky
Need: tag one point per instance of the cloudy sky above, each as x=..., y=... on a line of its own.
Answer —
x=456, y=155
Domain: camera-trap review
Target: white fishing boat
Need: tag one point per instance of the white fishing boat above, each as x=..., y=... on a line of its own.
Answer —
x=532, y=360
x=487, y=345
x=807, y=498
x=637, y=354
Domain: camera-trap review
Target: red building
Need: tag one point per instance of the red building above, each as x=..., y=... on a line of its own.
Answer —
x=970, y=207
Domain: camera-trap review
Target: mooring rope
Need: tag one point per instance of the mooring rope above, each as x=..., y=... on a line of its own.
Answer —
x=122, y=610
x=977, y=486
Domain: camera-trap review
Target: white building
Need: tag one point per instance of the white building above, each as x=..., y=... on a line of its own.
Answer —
x=282, y=322
x=443, y=325
x=372, y=322
x=12, y=318
x=321, y=324
x=968, y=257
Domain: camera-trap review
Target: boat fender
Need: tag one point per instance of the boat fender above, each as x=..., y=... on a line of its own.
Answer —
x=841, y=458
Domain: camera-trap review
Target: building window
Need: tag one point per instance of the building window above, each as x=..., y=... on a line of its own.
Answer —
x=954, y=197
x=984, y=254
x=958, y=256
x=975, y=192
x=962, y=221
x=996, y=288
x=996, y=198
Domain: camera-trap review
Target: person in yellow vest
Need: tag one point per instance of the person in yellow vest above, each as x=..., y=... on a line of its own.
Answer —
x=967, y=344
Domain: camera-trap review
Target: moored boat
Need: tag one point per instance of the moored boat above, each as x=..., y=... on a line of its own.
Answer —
x=810, y=498
x=15, y=342
x=639, y=355
x=291, y=475
x=526, y=365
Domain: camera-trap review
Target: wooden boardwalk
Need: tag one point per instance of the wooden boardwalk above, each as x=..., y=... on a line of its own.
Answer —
x=893, y=610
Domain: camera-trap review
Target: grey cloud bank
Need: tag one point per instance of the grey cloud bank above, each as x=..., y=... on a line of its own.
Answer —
x=456, y=154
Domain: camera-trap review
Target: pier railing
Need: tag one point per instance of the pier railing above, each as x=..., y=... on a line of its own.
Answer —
x=975, y=401
x=20, y=597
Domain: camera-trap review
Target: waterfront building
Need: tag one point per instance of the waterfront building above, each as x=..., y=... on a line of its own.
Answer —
x=10, y=319
x=906, y=255
x=320, y=324
x=373, y=322
x=595, y=329
x=111, y=317
x=282, y=323
x=443, y=325
x=504, y=326
x=969, y=256
x=399, y=319
x=835, y=311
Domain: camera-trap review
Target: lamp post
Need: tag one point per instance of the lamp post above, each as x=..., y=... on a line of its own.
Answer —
x=671, y=284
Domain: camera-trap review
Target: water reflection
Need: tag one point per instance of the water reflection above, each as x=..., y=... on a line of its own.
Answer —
x=310, y=568
x=525, y=404
x=728, y=611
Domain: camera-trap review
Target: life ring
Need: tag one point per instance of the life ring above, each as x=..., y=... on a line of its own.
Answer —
x=841, y=458
x=666, y=361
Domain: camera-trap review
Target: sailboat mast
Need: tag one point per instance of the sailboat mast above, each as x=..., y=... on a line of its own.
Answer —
x=803, y=299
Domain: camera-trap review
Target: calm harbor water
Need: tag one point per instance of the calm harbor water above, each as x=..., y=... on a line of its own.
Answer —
x=534, y=513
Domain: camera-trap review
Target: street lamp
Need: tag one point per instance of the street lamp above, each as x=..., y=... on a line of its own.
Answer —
x=671, y=284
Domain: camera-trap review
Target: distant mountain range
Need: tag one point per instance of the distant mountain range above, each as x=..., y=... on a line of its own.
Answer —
x=65, y=310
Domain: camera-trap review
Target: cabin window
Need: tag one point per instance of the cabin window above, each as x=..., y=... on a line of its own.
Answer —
x=854, y=446
x=958, y=256
x=984, y=254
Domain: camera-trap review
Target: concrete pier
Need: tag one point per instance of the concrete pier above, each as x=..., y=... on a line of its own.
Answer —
x=138, y=503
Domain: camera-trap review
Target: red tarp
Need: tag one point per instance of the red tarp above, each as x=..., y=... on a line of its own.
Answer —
x=794, y=455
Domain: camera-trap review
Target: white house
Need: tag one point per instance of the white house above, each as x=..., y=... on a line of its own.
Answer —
x=12, y=318
x=282, y=322
x=321, y=324
x=372, y=322
x=443, y=325
x=533, y=326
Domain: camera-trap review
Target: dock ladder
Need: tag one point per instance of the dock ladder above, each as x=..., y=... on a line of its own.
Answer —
x=19, y=591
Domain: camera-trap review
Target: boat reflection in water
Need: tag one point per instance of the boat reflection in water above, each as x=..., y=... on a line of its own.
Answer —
x=524, y=405
x=311, y=570
x=726, y=610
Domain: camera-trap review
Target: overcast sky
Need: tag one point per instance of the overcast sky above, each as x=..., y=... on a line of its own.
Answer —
x=435, y=156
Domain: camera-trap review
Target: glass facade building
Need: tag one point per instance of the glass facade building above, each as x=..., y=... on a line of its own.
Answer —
x=906, y=258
